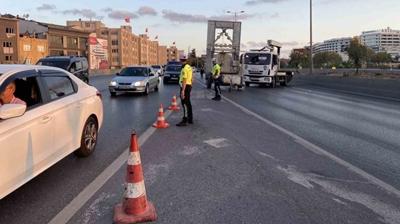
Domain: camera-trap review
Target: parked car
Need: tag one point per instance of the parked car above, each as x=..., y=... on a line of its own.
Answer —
x=158, y=69
x=76, y=65
x=62, y=115
x=134, y=79
x=172, y=73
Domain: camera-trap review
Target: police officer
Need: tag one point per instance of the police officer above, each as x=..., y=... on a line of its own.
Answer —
x=185, y=82
x=216, y=75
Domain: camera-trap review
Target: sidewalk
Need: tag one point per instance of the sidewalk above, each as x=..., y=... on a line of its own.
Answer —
x=230, y=167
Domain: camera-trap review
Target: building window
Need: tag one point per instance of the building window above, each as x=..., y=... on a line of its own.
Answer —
x=87, y=25
x=56, y=41
x=40, y=48
x=7, y=44
x=114, y=42
x=9, y=30
x=8, y=58
x=27, y=47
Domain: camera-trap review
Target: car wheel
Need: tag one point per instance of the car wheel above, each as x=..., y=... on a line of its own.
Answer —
x=113, y=94
x=88, y=138
x=146, y=90
x=156, y=88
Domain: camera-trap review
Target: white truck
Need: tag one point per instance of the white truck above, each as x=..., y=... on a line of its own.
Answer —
x=263, y=66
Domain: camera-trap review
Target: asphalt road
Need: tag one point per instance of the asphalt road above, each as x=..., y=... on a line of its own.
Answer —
x=43, y=197
x=360, y=129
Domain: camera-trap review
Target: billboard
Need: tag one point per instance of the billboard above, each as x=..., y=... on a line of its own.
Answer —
x=98, y=51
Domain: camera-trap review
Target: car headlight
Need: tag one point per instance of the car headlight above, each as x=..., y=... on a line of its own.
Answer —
x=113, y=83
x=139, y=83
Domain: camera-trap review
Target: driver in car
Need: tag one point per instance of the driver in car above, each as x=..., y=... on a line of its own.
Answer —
x=7, y=96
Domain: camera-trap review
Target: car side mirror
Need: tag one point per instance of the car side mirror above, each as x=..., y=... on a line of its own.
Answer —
x=117, y=74
x=8, y=111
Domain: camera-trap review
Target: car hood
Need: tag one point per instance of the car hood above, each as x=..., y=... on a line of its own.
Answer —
x=128, y=79
x=172, y=73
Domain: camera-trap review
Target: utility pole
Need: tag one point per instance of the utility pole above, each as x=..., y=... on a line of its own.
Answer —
x=311, y=41
x=235, y=14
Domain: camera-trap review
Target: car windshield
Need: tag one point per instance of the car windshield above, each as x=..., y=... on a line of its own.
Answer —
x=257, y=59
x=55, y=63
x=157, y=67
x=134, y=71
x=174, y=68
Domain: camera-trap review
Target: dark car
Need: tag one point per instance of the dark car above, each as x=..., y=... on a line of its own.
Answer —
x=76, y=65
x=172, y=73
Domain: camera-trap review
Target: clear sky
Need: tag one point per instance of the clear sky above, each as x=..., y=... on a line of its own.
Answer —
x=184, y=21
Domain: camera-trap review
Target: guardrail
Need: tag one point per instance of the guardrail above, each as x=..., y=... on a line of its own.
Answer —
x=347, y=70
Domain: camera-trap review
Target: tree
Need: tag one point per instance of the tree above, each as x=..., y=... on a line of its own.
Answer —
x=298, y=59
x=381, y=57
x=192, y=59
x=358, y=53
x=327, y=59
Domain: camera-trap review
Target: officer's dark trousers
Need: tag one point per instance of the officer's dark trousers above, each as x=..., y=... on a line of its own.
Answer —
x=187, y=105
x=217, y=86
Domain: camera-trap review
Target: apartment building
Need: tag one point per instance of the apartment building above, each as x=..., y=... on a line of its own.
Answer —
x=337, y=45
x=32, y=42
x=173, y=54
x=384, y=40
x=143, y=49
x=66, y=41
x=162, y=57
x=153, y=52
x=9, y=40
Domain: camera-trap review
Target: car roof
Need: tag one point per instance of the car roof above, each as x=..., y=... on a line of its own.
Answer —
x=138, y=66
x=75, y=58
x=13, y=68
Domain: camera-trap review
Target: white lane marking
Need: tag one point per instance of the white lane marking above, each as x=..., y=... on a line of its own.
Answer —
x=267, y=155
x=217, y=142
x=135, y=190
x=134, y=158
x=389, y=213
x=66, y=214
x=316, y=149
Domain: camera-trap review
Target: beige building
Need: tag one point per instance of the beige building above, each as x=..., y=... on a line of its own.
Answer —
x=9, y=33
x=87, y=26
x=31, y=49
x=143, y=49
x=66, y=41
x=172, y=54
x=162, y=57
x=153, y=53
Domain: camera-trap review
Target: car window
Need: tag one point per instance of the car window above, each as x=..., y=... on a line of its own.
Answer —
x=55, y=63
x=134, y=71
x=174, y=68
x=58, y=86
x=78, y=65
x=26, y=88
x=85, y=65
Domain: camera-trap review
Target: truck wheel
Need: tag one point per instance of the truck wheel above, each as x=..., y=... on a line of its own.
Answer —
x=284, y=82
x=247, y=84
x=273, y=83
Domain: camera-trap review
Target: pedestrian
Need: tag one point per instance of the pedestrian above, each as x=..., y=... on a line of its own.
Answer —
x=202, y=72
x=216, y=75
x=185, y=82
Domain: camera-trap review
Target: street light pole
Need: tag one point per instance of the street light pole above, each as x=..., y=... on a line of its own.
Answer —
x=235, y=14
x=311, y=41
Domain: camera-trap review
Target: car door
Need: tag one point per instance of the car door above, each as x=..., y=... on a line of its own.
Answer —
x=62, y=94
x=152, y=77
x=26, y=140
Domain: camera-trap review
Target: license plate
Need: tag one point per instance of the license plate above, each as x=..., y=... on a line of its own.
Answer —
x=124, y=87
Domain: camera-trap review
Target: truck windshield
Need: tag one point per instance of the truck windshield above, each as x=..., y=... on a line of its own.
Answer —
x=257, y=59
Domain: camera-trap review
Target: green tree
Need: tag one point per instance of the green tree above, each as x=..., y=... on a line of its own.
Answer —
x=381, y=57
x=358, y=53
x=298, y=59
x=327, y=59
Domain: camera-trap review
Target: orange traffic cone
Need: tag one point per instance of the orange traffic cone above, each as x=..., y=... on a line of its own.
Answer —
x=174, y=105
x=161, y=123
x=135, y=208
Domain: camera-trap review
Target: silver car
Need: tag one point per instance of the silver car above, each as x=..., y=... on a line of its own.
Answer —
x=134, y=79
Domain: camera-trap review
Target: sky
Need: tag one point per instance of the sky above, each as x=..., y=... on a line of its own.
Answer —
x=185, y=21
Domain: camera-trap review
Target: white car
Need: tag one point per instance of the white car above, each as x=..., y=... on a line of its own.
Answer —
x=63, y=115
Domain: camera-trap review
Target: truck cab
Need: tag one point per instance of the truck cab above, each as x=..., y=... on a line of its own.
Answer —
x=262, y=66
